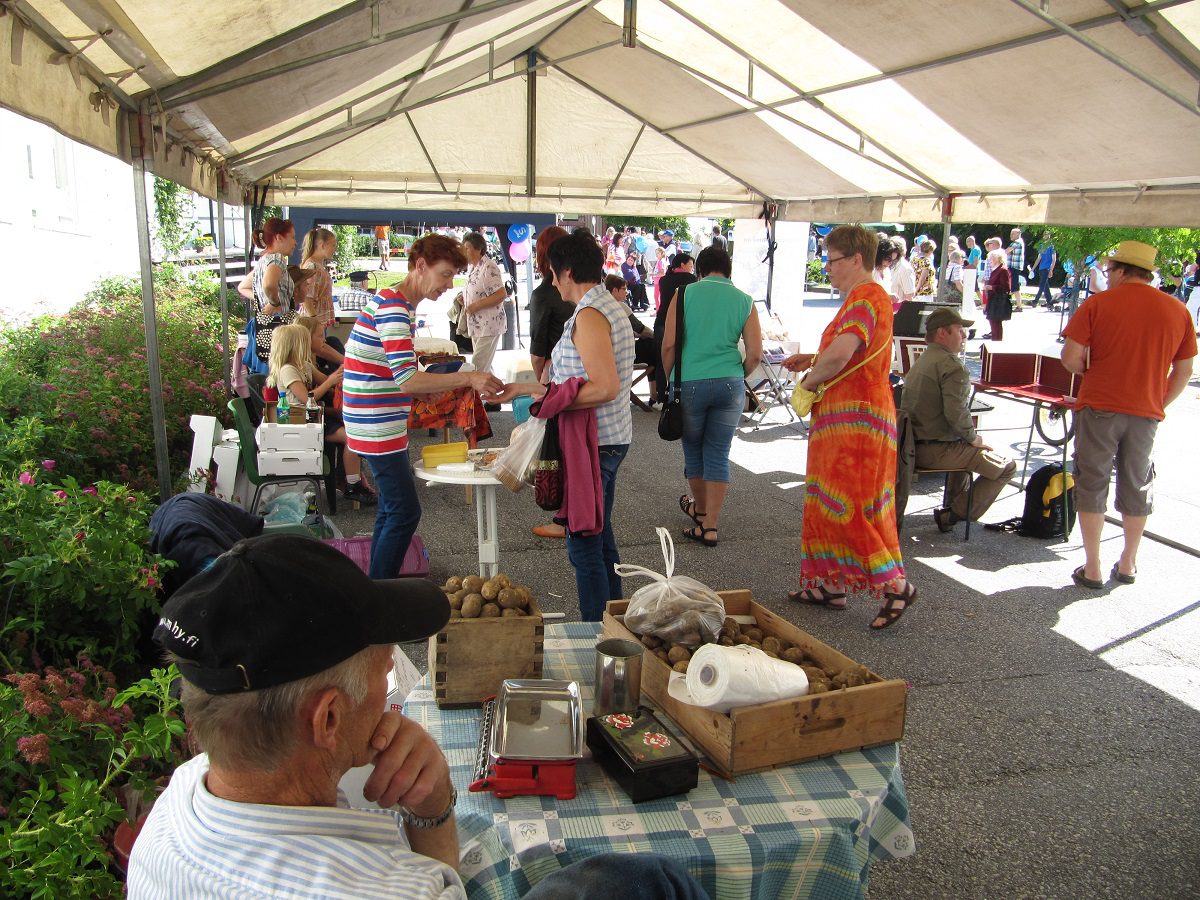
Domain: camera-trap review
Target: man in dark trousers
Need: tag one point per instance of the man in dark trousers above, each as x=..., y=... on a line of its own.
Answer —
x=937, y=398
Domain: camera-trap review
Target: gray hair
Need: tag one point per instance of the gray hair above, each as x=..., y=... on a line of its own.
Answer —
x=476, y=240
x=258, y=729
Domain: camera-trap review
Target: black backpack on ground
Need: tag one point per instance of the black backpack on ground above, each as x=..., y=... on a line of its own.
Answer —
x=1049, y=501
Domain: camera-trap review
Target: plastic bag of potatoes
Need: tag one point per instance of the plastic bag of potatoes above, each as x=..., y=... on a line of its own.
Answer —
x=674, y=608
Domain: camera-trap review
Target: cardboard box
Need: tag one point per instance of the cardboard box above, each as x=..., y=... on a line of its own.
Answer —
x=292, y=436
x=751, y=738
x=290, y=462
x=470, y=657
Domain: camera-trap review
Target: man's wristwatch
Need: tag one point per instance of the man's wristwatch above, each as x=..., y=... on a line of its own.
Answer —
x=411, y=818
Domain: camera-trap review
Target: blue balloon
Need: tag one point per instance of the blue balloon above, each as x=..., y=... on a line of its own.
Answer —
x=642, y=243
x=518, y=233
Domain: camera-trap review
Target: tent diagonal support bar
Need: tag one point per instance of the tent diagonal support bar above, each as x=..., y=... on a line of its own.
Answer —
x=670, y=137
x=1145, y=78
x=432, y=60
x=428, y=158
x=254, y=152
x=1144, y=27
x=757, y=106
x=378, y=120
x=987, y=50
x=802, y=94
x=628, y=156
x=176, y=96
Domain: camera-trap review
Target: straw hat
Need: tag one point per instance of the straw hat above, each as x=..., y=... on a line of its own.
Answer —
x=1135, y=253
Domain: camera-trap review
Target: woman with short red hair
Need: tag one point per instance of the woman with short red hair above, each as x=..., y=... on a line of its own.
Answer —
x=268, y=286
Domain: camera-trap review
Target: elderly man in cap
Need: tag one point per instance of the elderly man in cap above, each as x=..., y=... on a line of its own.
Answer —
x=1134, y=347
x=285, y=646
x=937, y=398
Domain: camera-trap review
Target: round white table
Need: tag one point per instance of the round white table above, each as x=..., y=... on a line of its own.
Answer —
x=486, y=517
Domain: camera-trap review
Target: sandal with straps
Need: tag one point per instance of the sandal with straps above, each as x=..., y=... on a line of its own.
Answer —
x=698, y=533
x=818, y=596
x=889, y=612
x=688, y=505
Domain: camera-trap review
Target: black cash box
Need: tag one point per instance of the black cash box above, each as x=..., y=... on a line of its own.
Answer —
x=642, y=755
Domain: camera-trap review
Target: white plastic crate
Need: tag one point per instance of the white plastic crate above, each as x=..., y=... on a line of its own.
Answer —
x=291, y=436
x=289, y=462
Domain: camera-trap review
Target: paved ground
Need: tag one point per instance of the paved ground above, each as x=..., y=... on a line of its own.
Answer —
x=1052, y=731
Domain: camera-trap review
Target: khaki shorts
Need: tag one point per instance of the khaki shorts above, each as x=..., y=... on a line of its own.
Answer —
x=1103, y=437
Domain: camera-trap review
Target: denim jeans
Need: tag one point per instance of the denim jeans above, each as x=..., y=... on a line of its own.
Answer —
x=397, y=515
x=593, y=556
x=1043, y=285
x=711, y=410
x=642, y=876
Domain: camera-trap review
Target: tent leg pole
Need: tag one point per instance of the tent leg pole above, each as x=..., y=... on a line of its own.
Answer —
x=149, y=317
x=770, y=258
x=222, y=274
x=945, y=250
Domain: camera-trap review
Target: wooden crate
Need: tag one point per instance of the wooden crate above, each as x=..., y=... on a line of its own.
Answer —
x=470, y=657
x=751, y=738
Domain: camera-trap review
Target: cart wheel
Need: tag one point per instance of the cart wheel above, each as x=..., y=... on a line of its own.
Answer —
x=1055, y=424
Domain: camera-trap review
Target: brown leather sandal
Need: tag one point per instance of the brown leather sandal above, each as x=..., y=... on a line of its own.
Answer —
x=688, y=505
x=699, y=534
x=818, y=596
x=889, y=612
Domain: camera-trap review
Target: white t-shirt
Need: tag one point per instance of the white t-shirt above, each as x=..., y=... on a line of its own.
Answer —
x=904, y=280
x=1097, y=280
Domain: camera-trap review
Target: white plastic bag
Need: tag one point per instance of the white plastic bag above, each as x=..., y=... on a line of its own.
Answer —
x=674, y=608
x=515, y=463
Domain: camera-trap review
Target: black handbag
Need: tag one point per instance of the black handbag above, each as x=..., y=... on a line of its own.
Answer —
x=548, y=475
x=670, y=420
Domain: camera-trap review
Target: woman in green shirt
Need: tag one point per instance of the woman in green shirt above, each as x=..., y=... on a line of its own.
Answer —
x=716, y=315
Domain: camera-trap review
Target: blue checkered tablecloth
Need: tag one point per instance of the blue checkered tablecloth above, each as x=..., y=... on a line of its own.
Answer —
x=809, y=830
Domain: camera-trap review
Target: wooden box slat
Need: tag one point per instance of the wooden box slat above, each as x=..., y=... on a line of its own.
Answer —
x=469, y=658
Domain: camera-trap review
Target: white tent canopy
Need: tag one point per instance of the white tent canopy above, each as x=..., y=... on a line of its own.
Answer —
x=1067, y=111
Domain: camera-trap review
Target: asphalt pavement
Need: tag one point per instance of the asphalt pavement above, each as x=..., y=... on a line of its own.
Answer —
x=1052, y=731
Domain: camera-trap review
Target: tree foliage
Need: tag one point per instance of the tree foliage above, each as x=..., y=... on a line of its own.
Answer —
x=1176, y=246
x=653, y=225
x=172, y=205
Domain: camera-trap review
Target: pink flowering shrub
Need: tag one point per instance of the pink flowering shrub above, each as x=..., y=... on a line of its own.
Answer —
x=74, y=570
x=77, y=752
x=85, y=375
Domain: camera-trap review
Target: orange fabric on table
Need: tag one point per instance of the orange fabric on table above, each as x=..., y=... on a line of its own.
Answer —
x=849, y=536
x=457, y=408
x=1133, y=332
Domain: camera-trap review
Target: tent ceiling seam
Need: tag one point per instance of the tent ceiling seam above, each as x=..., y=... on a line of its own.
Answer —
x=747, y=185
x=802, y=94
x=174, y=98
x=1104, y=53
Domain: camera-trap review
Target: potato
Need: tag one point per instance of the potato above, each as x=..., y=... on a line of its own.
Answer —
x=491, y=589
x=490, y=611
x=472, y=606
x=509, y=613
x=755, y=644
x=814, y=674
x=503, y=580
x=525, y=593
x=754, y=633
x=661, y=654
x=509, y=599
x=679, y=654
x=455, y=614
x=453, y=583
x=461, y=593
x=818, y=687
x=456, y=602
x=794, y=655
x=681, y=666
x=771, y=645
x=472, y=583
x=741, y=639
x=650, y=642
x=730, y=624
x=725, y=640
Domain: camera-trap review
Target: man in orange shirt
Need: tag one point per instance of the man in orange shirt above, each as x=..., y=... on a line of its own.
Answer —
x=1134, y=347
x=381, y=238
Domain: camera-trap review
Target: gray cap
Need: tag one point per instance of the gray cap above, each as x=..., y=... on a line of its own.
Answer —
x=944, y=316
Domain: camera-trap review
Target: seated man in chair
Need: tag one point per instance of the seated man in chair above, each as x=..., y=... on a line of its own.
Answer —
x=937, y=398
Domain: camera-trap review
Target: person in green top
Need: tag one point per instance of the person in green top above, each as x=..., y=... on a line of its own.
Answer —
x=716, y=315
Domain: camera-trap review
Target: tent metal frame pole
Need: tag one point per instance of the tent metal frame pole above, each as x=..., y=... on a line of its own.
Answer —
x=342, y=132
x=947, y=222
x=1106, y=54
x=150, y=321
x=771, y=211
x=708, y=200
x=180, y=93
x=531, y=78
x=222, y=273
x=800, y=94
x=431, y=60
x=762, y=195
x=771, y=107
x=428, y=158
x=987, y=50
x=392, y=85
x=628, y=156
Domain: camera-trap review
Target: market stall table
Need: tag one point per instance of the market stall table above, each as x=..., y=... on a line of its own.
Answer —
x=486, y=516
x=809, y=830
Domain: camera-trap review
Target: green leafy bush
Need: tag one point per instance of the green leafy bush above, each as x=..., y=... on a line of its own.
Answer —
x=344, y=257
x=816, y=272
x=74, y=571
x=365, y=245
x=85, y=375
x=77, y=751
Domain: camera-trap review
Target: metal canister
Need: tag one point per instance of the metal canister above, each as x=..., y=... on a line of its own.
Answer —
x=618, y=677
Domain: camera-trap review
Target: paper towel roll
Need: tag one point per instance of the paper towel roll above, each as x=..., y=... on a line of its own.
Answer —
x=720, y=678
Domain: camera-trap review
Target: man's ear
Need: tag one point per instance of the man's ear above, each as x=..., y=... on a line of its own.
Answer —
x=326, y=715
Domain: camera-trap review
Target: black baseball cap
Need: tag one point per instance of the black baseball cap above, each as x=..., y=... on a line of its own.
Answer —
x=278, y=608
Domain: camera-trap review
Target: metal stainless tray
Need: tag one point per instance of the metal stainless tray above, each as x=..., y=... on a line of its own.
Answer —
x=537, y=719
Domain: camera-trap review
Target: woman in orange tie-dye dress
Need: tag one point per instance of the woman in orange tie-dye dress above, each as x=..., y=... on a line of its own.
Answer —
x=849, y=540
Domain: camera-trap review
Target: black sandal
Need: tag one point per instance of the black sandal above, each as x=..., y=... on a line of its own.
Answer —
x=698, y=533
x=688, y=505
x=889, y=611
x=817, y=596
